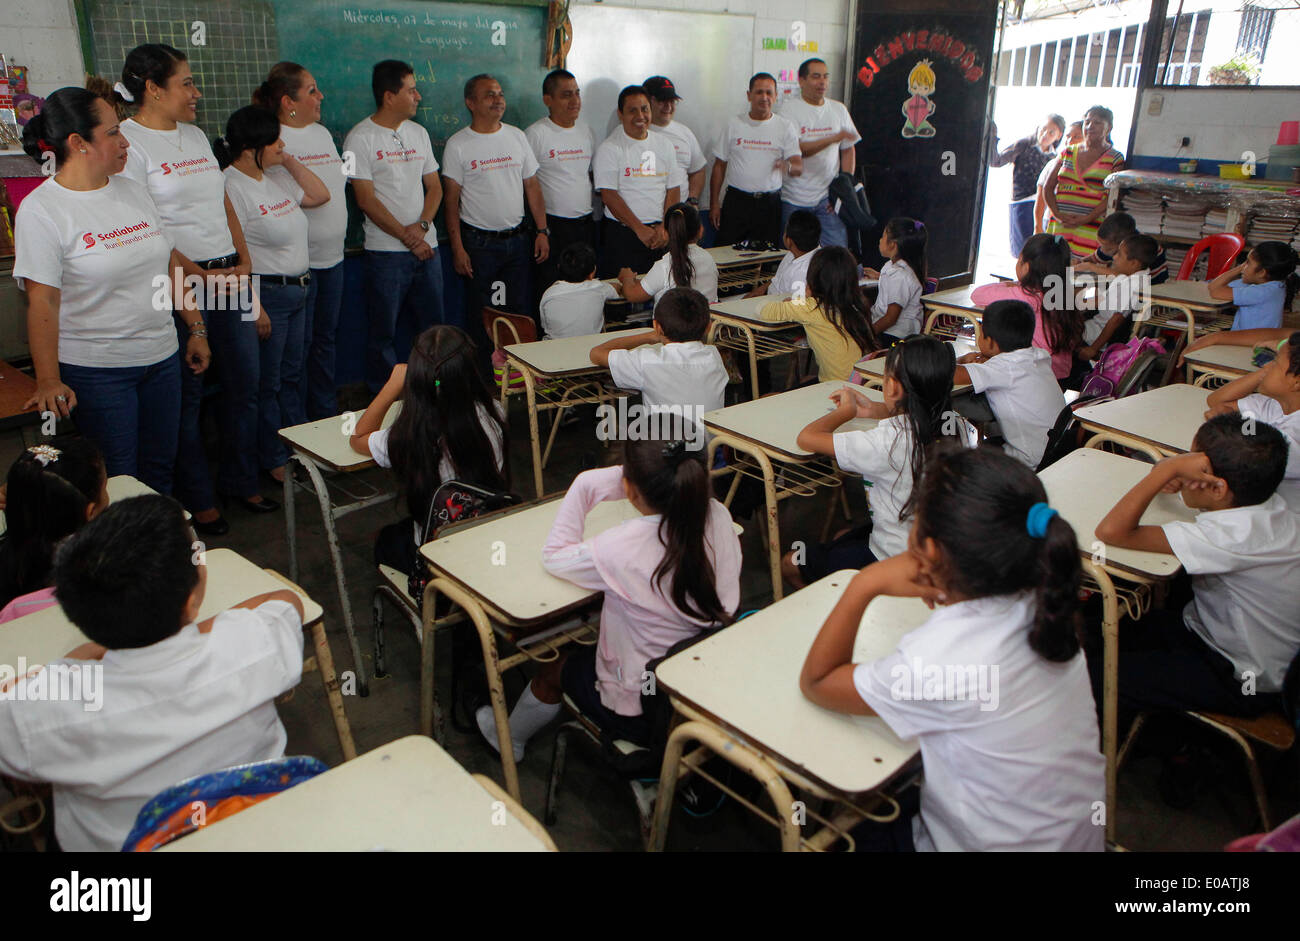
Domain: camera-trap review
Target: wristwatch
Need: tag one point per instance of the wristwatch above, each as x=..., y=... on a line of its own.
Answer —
x=424, y=225
x=693, y=200
x=545, y=231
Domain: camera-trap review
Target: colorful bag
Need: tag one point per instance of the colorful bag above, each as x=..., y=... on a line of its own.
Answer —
x=1113, y=365
x=452, y=502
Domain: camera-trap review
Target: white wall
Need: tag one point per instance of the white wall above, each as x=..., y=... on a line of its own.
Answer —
x=42, y=35
x=1223, y=123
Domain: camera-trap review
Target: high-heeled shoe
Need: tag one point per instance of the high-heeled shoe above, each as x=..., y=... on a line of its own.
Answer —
x=216, y=527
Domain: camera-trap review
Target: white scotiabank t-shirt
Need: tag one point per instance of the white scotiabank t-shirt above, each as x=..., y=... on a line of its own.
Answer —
x=395, y=162
x=104, y=250
x=1267, y=409
x=1025, y=397
x=687, y=375
x=752, y=148
x=275, y=228
x=814, y=123
x=563, y=166
x=660, y=276
x=791, y=272
x=690, y=155
x=1009, y=744
x=313, y=147
x=899, y=285
x=491, y=169
x=181, y=174
x=575, y=309
x=641, y=171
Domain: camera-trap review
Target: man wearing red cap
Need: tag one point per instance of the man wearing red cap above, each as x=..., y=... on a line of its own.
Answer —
x=690, y=155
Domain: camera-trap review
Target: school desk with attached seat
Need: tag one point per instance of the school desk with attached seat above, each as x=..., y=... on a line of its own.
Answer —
x=48, y=635
x=1222, y=363
x=736, y=325
x=951, y=314
x=740, y=270
x=559, y=374
x=1165, y=419
x=737, y=693
x=762, y=434
x=406, y=796
x=324, y=445
x=1083, y=487
x=872, y=368
x=1187, y=305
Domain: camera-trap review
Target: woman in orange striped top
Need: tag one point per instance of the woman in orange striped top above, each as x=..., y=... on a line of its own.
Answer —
x=1074, y=190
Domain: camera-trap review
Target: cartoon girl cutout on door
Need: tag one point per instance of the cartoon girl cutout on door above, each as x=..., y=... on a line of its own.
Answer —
x=918, y=108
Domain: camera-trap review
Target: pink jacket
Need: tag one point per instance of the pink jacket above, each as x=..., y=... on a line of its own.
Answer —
x=986, y=294
x=639, y=622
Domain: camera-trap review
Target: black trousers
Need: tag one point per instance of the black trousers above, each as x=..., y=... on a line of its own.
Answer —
x=565, y=232
x=622, y=249
x=503, y=268
x=750, y=216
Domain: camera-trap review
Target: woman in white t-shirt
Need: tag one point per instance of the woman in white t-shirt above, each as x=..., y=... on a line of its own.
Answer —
x=290, y=91
x=686, y=264
x=170, y=157
x=270, y=210
x=97, y=266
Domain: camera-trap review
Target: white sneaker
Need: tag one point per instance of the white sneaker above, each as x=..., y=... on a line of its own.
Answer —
x=487, y=724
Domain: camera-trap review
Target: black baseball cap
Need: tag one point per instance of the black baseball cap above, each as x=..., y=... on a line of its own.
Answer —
x=657, y=86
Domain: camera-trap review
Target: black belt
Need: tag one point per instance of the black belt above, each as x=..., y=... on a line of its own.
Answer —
x=301, y=280
x=774, y=194
x=501, y=234
x=586, y=218
x=225, y=261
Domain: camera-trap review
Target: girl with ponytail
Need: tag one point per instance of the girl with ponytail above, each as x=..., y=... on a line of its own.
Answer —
x=667, y=574
x=685, y=265
x=994, y=684
x=915, y=412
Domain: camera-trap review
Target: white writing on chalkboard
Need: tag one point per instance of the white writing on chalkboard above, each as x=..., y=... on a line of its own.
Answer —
x=358, y=15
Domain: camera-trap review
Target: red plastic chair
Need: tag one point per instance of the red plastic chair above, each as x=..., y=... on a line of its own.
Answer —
x=1223, y=249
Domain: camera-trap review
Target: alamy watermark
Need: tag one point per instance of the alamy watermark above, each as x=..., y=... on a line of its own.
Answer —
x=213, y=292
x=55, y=682
x=636, y=422
x=948, y=682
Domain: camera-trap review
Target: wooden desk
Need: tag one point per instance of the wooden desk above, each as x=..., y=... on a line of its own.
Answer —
x=324, y=444
x=1083, y=487
x=559, y=374
x=1166, y=419
x=873, y=369
x=737, y=325
x=948, y=312
x=491, y=567
x=741, y=686
x=762, y=434
x=408, y=795
x=48, y=635
x=1220, y=362
x=16, y=387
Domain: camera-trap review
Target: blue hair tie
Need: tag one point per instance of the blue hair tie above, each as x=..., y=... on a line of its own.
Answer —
x=1040, y=514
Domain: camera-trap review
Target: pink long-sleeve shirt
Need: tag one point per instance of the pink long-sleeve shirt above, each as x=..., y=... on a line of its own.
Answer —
x=639, y=621
x=986, y=294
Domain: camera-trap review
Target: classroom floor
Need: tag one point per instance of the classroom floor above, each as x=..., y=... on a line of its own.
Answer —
x=596, y=810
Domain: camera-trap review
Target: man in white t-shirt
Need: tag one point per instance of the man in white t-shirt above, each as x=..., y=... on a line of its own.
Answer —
x=488, y=170
x=638, y=178
x=564, y=147
x=396, y=184
x=826, y=139
x=690, y=155
x=753, y=153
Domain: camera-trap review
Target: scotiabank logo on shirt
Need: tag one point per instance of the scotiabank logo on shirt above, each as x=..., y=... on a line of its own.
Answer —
x=187, y=167
x=403, y=155
x=126, y=235
x=494, y=163
x=277, y=209
x=814, y=130
x=747, y=142
x=575, y=154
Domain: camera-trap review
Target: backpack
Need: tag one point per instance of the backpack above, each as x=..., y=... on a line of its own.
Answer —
x=454, y=501
x=1114, y=363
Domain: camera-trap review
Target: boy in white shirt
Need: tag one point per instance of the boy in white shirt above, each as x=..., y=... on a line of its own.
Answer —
x=671, y=366
x=1120, y=296
x=1230, y=647
x=803, y=234
x=574, y=306
x=175, y=698
x=1022, y=390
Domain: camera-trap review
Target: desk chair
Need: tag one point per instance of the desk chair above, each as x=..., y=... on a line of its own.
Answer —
x=1276, y=730
x=504, y=328
x=1223, y=250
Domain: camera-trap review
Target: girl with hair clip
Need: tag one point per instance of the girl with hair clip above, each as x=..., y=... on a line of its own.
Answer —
x=685, y=265
x=834, y=314
x=1041, y=283
x=1008, y=733
x=1262, y=287
x=916, y=412
x=667, y=575
x=170, y=157
x=897, y=311
x=52, y=491
x=271, y=211
x=450, y=428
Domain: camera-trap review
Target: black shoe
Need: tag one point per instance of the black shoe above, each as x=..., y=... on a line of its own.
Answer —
x=216, y=527
x=261, y=506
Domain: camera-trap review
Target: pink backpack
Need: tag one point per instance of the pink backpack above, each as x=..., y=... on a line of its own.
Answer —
x=1113, y=365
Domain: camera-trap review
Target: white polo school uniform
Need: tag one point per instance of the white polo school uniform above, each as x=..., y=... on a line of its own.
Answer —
x=1025, y=397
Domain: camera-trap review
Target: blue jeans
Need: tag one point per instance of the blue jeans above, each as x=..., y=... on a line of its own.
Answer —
x=236, y=359
x=133, y=414
x=193, y=481
x=317, y=388
x=398, y=282
x=833, y=230
x=279, y=404
x=1022, y=224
